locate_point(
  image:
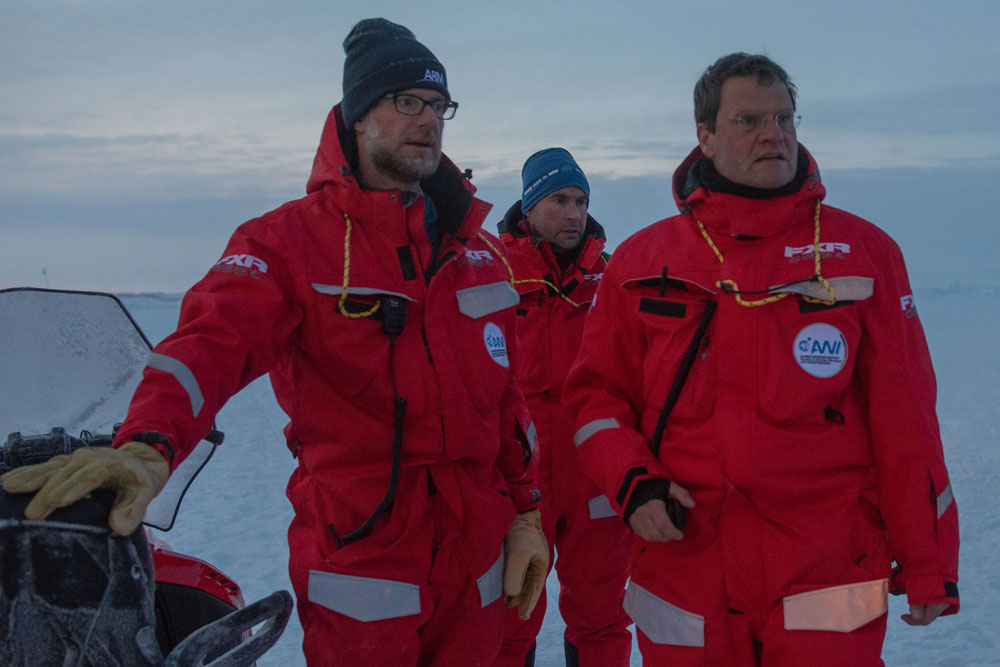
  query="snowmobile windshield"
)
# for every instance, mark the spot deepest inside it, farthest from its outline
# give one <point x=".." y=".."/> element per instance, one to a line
<point x="71" y="360"/>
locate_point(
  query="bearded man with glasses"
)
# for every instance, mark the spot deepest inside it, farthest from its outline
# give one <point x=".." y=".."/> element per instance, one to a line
<point x="755" y="395"/>
<point x="385" y="318"/>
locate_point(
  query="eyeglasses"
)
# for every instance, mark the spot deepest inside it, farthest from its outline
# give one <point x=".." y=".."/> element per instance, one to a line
<point x="413" y="105"/>
<point x="751" y="122"/>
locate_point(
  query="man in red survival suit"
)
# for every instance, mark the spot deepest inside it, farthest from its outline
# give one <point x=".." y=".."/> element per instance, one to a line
<point x="385" y="318"/>
<point x="555" y="250"/>
<point x="756" y="365"/>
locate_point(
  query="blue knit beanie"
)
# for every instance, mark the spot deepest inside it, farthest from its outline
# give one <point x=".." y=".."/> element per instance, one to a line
<point x="384" y="57"/>
<point x="546" y="171"/>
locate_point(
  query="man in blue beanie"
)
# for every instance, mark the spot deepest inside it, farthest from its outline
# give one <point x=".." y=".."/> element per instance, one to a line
<point x="555" y="251"/>
<point x="384" y="315"/>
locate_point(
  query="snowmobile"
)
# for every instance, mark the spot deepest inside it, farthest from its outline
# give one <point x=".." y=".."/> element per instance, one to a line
<point x="72" y="592"/>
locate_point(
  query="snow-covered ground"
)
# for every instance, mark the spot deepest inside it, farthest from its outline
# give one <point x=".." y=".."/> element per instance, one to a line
<point x="236" y="514"/>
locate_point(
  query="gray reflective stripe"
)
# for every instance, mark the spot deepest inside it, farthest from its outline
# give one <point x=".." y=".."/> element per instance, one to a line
<point x="944" y="500"/>
<point x="532" y="437"/>
<point x="838" y="608"/>
<point x="182" y="374"/>
<point x="662" y="622"/>
<point x="600" y="508"/>
<point x="363" y="598"/>
<point x="491" y="583"/>
<point x="593" y="427"/>
<point x="337" y="290"/>
<point x="845" y="288"/>
<point x="485" y="299"/>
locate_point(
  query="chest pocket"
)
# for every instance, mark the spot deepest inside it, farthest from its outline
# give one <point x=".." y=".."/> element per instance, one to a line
<point x="483" y="341"/>
<point x="670" y="312"/>
<point x="533" y="336"/>
<point x="812" y="348"/>
<point x="355" y="340"/>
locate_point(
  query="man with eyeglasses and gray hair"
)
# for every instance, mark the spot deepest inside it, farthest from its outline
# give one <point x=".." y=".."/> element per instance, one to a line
<point x="385" y="318"/>
<point x="755" y="395"/>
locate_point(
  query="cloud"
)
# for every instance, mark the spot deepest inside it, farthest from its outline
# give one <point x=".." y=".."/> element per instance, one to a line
<point x="149" y="165"/>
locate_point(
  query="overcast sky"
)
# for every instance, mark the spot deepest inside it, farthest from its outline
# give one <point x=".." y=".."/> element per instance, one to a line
<point x="135" y="136"/>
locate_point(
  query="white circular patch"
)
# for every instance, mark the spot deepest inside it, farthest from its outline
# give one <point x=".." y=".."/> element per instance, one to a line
<point x="820" y="350"/>
<point x="496" y="344"/>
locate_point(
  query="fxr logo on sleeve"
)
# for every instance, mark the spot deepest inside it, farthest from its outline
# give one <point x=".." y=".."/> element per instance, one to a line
<point x="909" y="306"/>
<point x="241" y="264"/>
<point x="479" y="257"/>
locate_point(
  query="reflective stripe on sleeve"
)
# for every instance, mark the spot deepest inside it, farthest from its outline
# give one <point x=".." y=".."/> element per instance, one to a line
<point x="600" y="508"/>
<point x="182" y="374"/>
<point x="491" y="583"/>
<point x="593" y="427"/>
<point x="362" y="598"/>
<point x="662" y="622"/>
<point x="838" y="608"/>
<point x="944" y="500"/>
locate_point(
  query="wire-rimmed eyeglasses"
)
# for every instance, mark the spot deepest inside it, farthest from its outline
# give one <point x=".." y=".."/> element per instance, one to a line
<point x="413" y="105"/>
<point x="749" y="121"/>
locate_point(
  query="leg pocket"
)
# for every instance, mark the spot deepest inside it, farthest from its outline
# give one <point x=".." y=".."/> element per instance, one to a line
<point x="491" y="584"/>
<point x="837" y="608"/>
<point x="662" y="622"/>
<point x="363" y="598"/>
<point x="600" y="508"/>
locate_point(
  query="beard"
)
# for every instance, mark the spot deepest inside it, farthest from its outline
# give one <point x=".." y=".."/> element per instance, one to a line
<point x="390" y="161"/>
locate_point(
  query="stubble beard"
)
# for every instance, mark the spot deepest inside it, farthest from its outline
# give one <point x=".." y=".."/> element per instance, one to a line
<point x="391" y="162"/>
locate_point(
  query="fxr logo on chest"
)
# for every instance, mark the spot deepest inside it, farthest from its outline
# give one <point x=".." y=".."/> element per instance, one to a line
<point x="826" y="249"/>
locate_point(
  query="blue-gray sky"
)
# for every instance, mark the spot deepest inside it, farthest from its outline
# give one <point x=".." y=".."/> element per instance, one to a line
<point x="135" y="136"/>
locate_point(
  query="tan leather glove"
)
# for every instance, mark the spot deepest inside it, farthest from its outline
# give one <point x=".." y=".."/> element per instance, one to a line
<point x="136" y="471"/>
<point x="526" y="563"/>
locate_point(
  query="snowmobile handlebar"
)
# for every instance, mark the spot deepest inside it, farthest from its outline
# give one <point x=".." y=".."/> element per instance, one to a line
<point x="273" y="611"/>
<point x="23" y="450"/>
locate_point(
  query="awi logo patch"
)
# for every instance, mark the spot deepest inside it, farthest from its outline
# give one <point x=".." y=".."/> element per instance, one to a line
<point x="496" y="344"/>
<point x="820" y="349"/>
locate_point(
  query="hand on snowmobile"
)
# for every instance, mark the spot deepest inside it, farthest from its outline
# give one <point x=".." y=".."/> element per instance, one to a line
<point x="135" y="471"/>
<point x="526" y="563"/>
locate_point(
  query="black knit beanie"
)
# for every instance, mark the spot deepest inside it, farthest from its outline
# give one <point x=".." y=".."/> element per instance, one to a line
<point x="384" y="57"/>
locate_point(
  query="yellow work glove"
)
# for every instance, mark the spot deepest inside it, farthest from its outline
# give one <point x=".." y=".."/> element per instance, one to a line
<point x="136" y="472"/>
<point x="526" y="563"/>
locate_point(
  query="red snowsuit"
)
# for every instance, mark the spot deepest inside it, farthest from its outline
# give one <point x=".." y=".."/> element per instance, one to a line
<point x="806" y="433"/>
<point x="426" y="583"/>
<point x="594" y="546"/>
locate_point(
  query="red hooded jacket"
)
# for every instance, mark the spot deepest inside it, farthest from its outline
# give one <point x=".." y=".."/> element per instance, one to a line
<point x="293" y="295"/>
<point x="554" y="305"/>
<point x="806" y="431"/>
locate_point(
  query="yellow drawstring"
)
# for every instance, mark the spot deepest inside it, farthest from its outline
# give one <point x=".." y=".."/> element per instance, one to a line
<point x="734" y="288"/>
<point x="510" y="273"/>
<point x="347" y="270"/>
